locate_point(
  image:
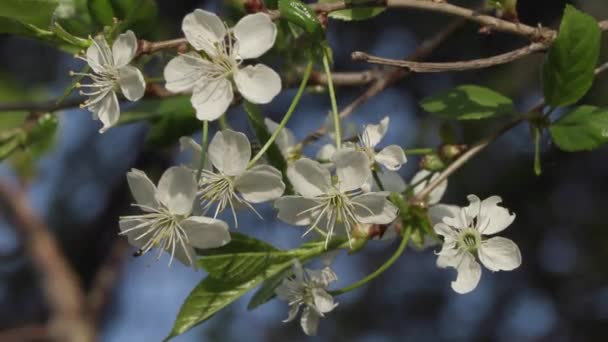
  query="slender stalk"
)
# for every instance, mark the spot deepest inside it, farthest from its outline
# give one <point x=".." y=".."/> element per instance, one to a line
<point x="381" y="269"/>
<point x="204" y="140"/>
<point x="334" y="104"/>
<point x="290" y="110"/>
<point x="377" y="179"/>
<point x="417" y="151"/>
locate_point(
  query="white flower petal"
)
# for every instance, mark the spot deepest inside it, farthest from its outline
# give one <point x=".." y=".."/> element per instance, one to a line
<point x="177" y="190"/>
<point x="132" y="235"/>
<point x="204" y="232"/>
<point x="469" y="273"/>
<point x="268" y="169"/>
<point x="124" y="48"/>
<point x="183" y="72"/>
<point x="435" y="196"/>
<point x="186" y="256"/>
<point x="132" y="83"/>
<point x="256" y="186"/>
<point x="203" y="30"/>
<point x="229" y="152"/>
<point x="392" y="157"/>
<point x="309" y="322"/>
<point x="473" y="209"/>
<point x="309" y="178"/>
<point x="99" y="55"/>
<point x="391" y="180"/>
<point x="373" y="207"/>
<point x="324" y="302"/>
<point x="326" y="152"/>
<point x="492" y="217"/>
<point x="142" y="188"/>
<point x="255" y="34"/>
<point x="188" y="144"/>
<point x="439" y="211"/>
<point x="290" y="210"/>
<point x="212" y="99"/>
<point x="499" y="254"/>
<point x="322" y="277"/>
<point x="444" y="230"/>
<point x="293" y="313"/>
<point x="352" y="168"/>
<point x="372" y="134"/>
<point x="107" y="110"/>
<point x="285" y="140"/>
<point x="258" y="84"/>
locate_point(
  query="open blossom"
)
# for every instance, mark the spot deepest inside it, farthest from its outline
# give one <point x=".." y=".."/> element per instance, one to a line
<point x="286" y="141"/>
<point x="229" y="182"/>
<point x="111" y="73"/>
<point x="392" y="156"/>
<point x="307" y="288"/>
<point x="211" y="78"/>
<point x="463" y="232"/>
<point x="322" y="204"/>
<point x="167" y="222"/>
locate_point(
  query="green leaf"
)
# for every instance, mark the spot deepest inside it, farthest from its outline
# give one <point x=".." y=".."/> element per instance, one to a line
<point x="357" y="14"/>
<point x="34" y="12"/>
<point x="213" y="294"/>
<point x="101" y="11"/>
<point x="584" y="128"/>
<point x="296" y="12"/>
<point x="468" y="102"/>
<point x="568" y="71"/>
<point x="266" y="290"/>
<point x="138" y="15"/>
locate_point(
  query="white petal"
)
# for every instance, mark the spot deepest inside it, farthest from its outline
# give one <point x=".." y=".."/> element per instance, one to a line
<point x="285" y="140"/>
<point x="373" y="207"/>
<point x="211" y="99"/>
<point x="309" y="178"/>
<point x="107" y="110"/>
<point x="99" y="55"/>
<point x="142" y="188"/>
<point x="326" y="152"/>
<point x="255" y="34"/>
<point x="132" y="83"/>
<point x="499" y="254"/>
<point x="204" y="232"/>
<point x="439" y="211"/>
<point x="391" y="180"/>
<point x="177" y="190"/>
<point x="290" y="210"/>
<point x="132" y="235"/>
<point x="309" y="322"/>
<point x="229" y="152"/>
<point x="183" y="72"/>
<point x="188" y="144"/>
<point x="258" y="84"/>
<point x="392" y="157"/>
<point x="492" y="217"/>
<point x="444" y="230"/>
<point x="352" y="168"/>
<point x="372" y="134"/>
<point x="124" y="48"/>
<point x="473" y="209"/>
<point x="186" y="256"/>
<point x="322" y="277"/>
<point x="259" y="185"/>
<point x="203" y="29"/>
<point x="435" y="196"/>
<point x="469" y="273"/>
<point x="293" y="312"/>
<point x="324" y="302"/>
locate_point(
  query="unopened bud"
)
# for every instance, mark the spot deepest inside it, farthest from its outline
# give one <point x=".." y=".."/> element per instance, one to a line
<point x="450" y="151"/>
<point x="432" y="162"/>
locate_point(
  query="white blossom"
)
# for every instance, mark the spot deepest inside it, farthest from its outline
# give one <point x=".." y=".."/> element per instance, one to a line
<point x="211" y="77"/>
<point x="421" y="179"/>
<point x="111" y="73"/>
<point x="229" y="182"/>
<point x="321" y="203"/>
<point x="167" y="222"/>
<point x="307" y="288"/>
<point x="286" y="141"/>
<point x="464" y="230"/>
<point x="391" y="157"/>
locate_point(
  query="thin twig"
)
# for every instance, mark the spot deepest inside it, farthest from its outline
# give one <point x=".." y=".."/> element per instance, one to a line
<point x="453" y="66"/>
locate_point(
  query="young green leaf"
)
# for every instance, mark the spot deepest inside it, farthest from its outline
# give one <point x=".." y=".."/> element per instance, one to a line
<point x="34" y="12"/>
<point x="295" y="11"/>
<point x="468" y="102"/>
<point x="568" y="71"/>
<point x="584" y="128"/>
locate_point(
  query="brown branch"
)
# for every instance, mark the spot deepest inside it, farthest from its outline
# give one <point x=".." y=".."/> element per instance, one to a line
<point x="480" y="146"/>
<point x="453" y="66"/>
<point x="60" y="284"/>
<point x="26" y="333"/>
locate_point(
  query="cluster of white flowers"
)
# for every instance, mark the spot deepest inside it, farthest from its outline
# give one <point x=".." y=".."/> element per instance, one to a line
<point x="345" y="191"/>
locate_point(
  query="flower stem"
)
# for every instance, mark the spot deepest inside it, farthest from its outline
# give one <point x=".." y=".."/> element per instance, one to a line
<point x="381" y="269"/>
<point x="334" y="104"/>
<point x="290" y="110"/>
<point x="204" y="140"/>
<point x="415" y="151"/>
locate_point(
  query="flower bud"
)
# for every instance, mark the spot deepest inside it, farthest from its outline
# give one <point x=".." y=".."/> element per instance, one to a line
<point x="432" y="162"/>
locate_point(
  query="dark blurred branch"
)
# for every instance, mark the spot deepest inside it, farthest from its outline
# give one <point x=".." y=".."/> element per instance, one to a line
<point x="480" y="146"/>
<point x="453" y="66"/>
<point x="26" y="333"/>
<point x="60" y="284"/>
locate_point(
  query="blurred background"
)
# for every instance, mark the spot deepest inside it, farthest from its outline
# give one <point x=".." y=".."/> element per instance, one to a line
<point x="77" y="186"/>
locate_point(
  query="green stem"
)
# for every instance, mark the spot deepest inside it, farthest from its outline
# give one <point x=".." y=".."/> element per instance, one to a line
<point x="204" y="140"/>
<point x="334" y="104"/>
<point x="415" y="151"/>
<point x="381" y="269"/>
<point x="377" y="179"/>
<point x="290" y="110"/>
